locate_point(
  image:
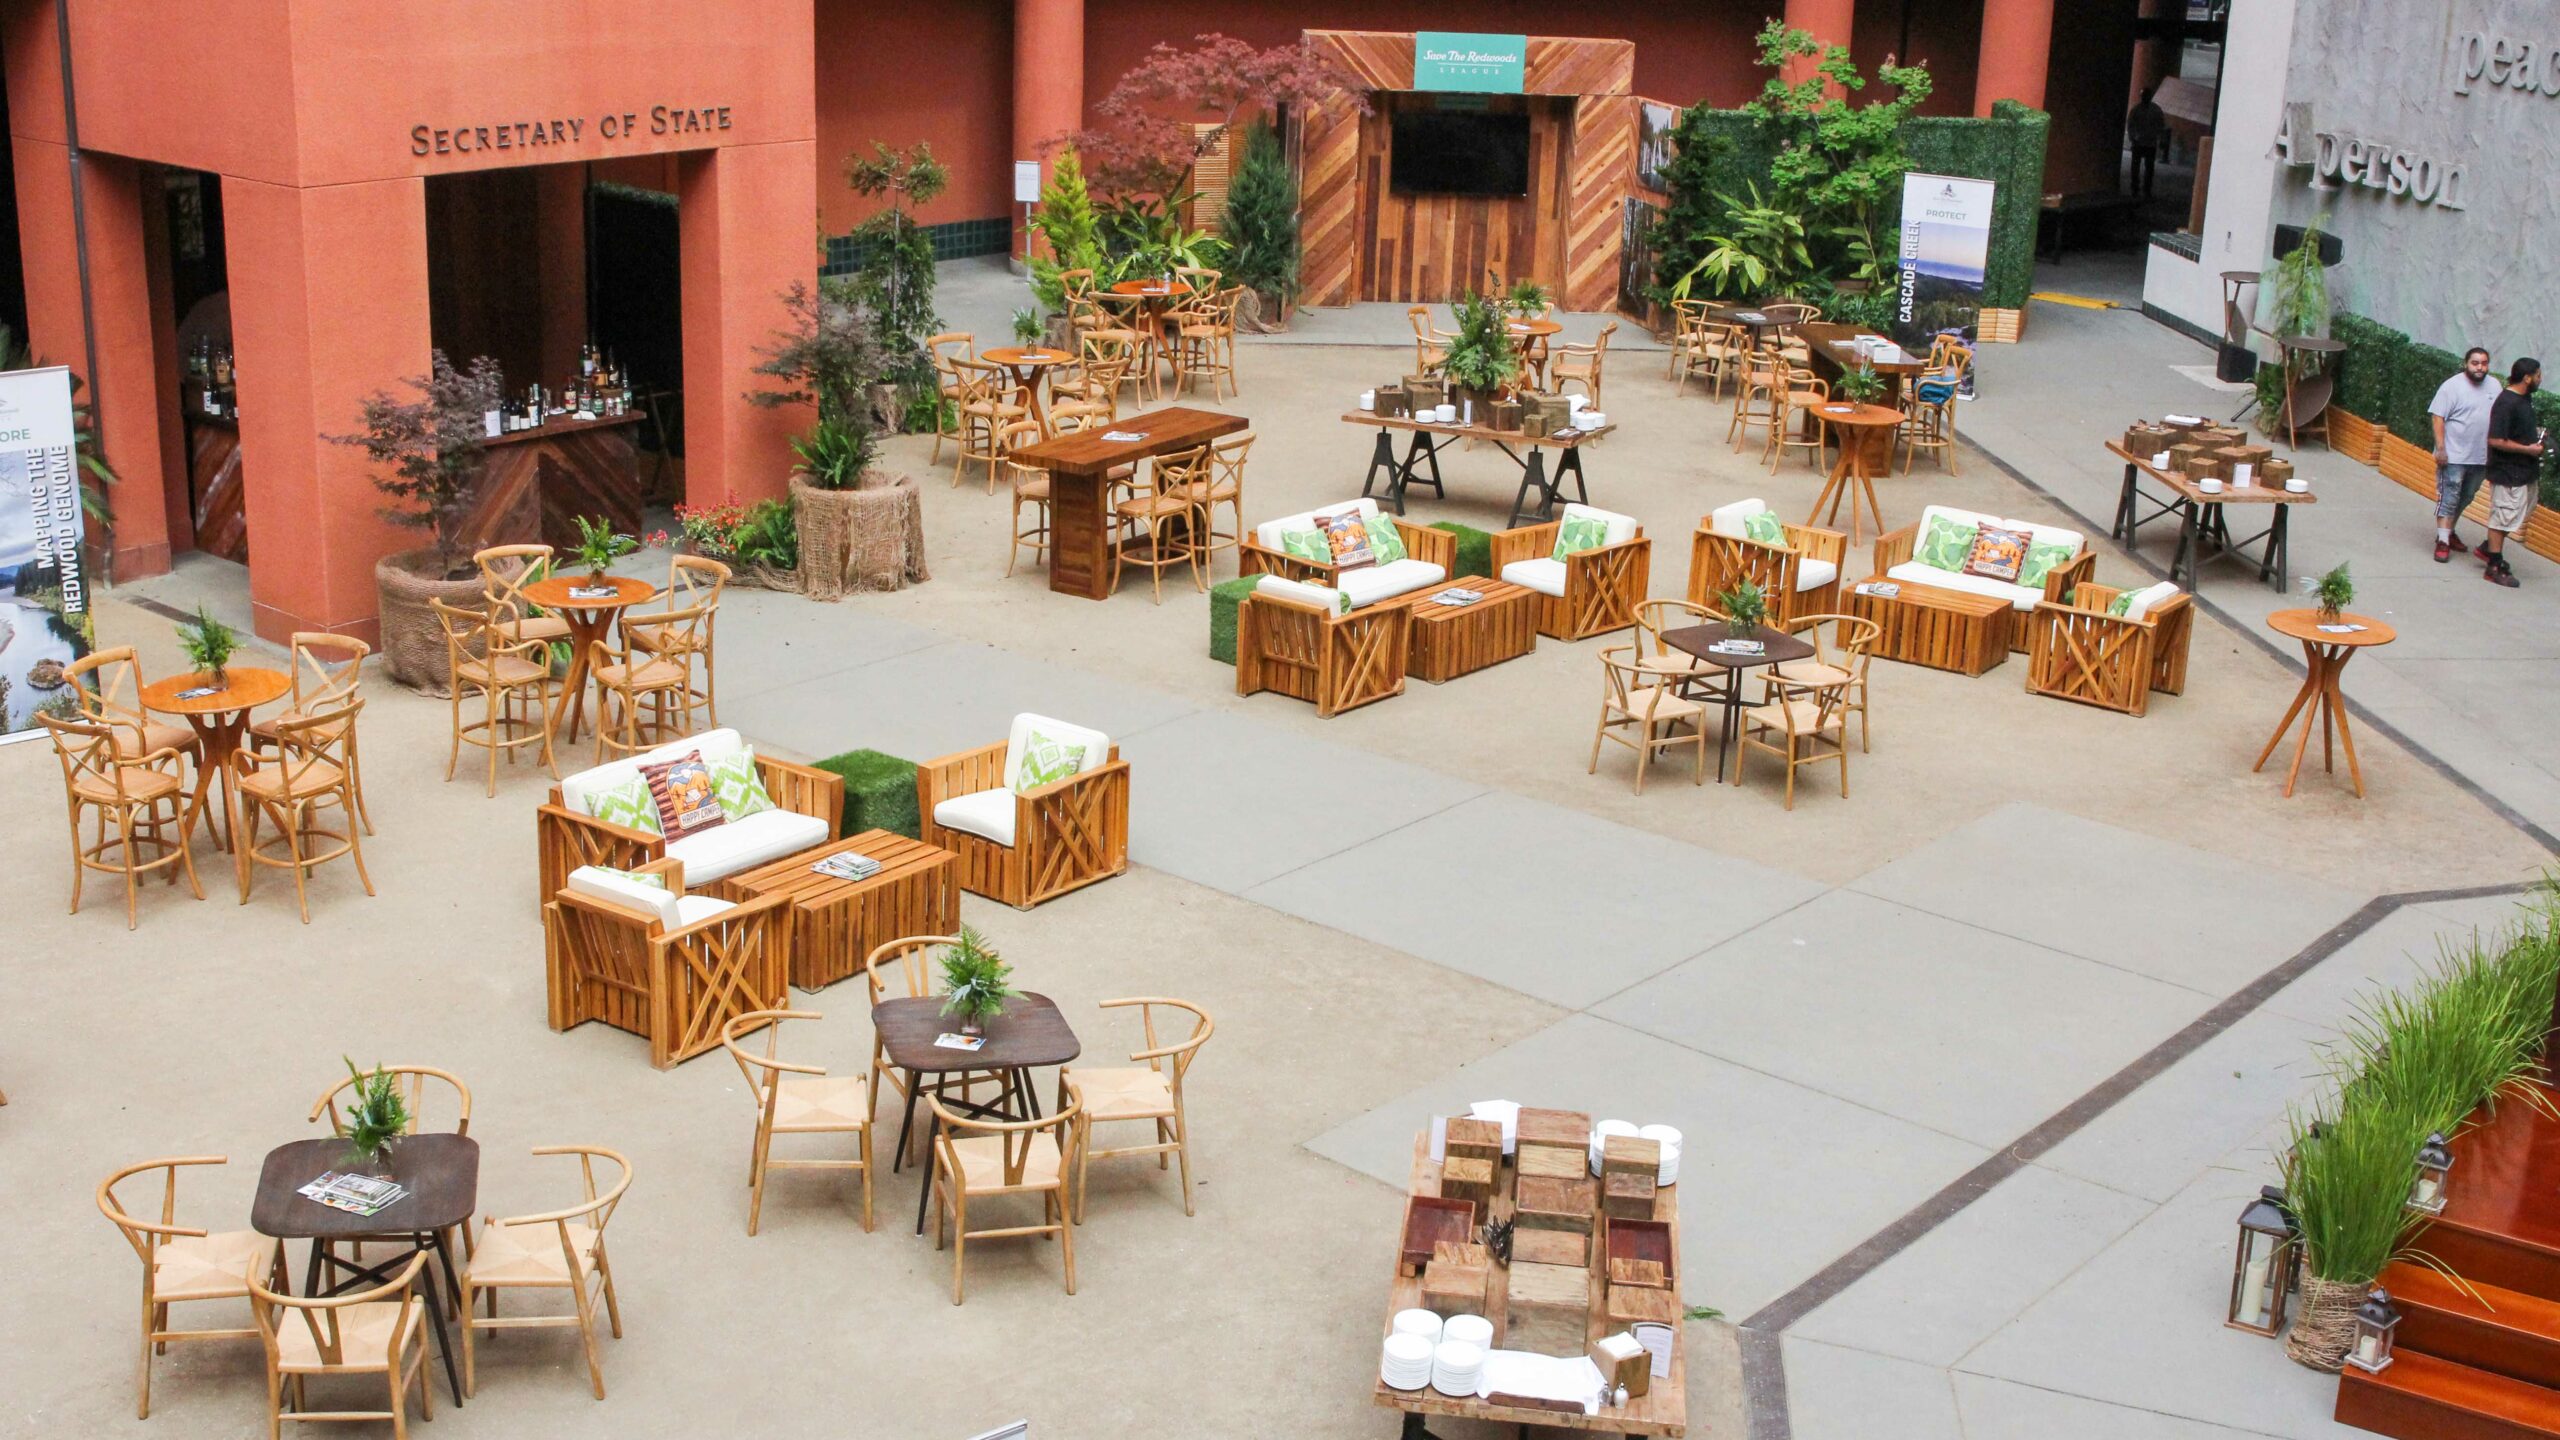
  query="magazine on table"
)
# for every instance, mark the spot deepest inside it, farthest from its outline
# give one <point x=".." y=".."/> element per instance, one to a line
<point x="1457" y="596"/>
<point x="948" y="1040"/>
<point x="1124" y="437"/>
<point x="1739" y="647"/>
<point x="1881" y="589"/>
<point x="850" y="865"/>
<point x="353" y="1193"/>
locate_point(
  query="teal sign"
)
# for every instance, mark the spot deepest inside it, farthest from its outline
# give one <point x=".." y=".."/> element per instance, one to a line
<point x="1451" y="60"/>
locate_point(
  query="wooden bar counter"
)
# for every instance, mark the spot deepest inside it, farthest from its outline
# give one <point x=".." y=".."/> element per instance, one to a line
<point x="539" y="481"/>
<point x="1080" y="466"/>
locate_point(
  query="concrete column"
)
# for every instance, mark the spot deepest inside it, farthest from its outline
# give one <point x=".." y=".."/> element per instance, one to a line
<point x="743" y="227"/>
<point x="2017" y="42"/>
<point x="328" y="304"/>
<point x="1827" y="21"/>
<point x="125" y="391"/>
<point x="1048" y="81"/>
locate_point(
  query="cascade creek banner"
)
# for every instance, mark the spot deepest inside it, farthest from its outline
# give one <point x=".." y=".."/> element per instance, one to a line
<point x="44" y="587"/>
<point x="1946" y="247"/>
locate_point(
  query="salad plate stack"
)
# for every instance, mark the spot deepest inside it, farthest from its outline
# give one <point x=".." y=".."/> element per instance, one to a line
<point x="1457" y="1368"/>
<point x="1669" y="1139"/>
<point x="1600" y="1134"/>
<point x="1404" y="1363"/>
<point x="1469" y="1330"/>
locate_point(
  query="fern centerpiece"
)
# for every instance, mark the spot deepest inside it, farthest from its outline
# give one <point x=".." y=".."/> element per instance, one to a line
<point x="599" y="546"/>
<point x="1862" y="385"/>
<point x="376" y="1119"/>
<point x="1746" y="608"/>
<point x="209" y="644"/>
<point x="976" y="981"/>
<point x="1481" y="357"/>
<point x="2332" y="593"/>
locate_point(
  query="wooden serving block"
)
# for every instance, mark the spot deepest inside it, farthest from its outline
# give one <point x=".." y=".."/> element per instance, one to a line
<point x="1466" y="1179"/>
<point x="1627" y="1196"/>
<point x="1550" y="1247"/>
<point x="1429" y="1220"/>
<point x="1637" y="1304"/>
<point x="1568" y="1129"/>
<point x="1642" y="1242"/>
<point x="1544" y="1204"/>
<point x="1550" y="1309"/>
<point x="1473" y="1139"/>
<point x="1630" y="1155"/>
<point x="1552" y="1162"/>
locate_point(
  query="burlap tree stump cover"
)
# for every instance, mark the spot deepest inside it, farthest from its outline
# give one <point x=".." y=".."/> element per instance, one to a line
<point x="412" y="636"/>
<point x="868" y="538"/>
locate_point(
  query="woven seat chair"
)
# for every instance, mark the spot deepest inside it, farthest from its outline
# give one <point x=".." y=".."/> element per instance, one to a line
<point x="1800" y="723"/>
<point x="794" y="1098"/>
<point x="1148" y="1091"/>
<point x="1220" y="482"/>
<point x="1843" y="648"/>
<point x="1430" y="342"/>
<point x="694" y="582"/>
<point x="1205" y="343"/>
<point x="310" y="771"/>
<point x="1689" y="325"/>
<point x="645" y="698"/>
<point x="1662" y="664"/>
<point x="1161" y="515"/>
<point x="509" y="682"/>
<point x="1801" y="396"/>
<point x="145" y="798"/>
<point x="1759" y="397"/>
<point x="184" y="1265"/>
<point x="1929" y="405"/>
<point x="370" y="1332"/>
<point x="985" y="411"/>
<point x="560" y="1249"/>
<point x="944" y="348"/>
<point x="1582" y="363"/>
<point x="1030" y="487"/>
<point x="106" y="685"/>
<point x="504" y="572"/>
<point x="327" y="667"/>
<point x="980" y="1160"/>
<point x="1649" y="705"/>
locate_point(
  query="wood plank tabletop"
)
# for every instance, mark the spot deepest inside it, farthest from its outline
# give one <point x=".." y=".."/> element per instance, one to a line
<point x="2227" y="495"/>
<point x="1161" y="432"/>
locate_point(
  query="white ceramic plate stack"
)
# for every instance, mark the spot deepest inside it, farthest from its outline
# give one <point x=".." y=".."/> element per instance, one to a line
<point x="1600" y="1134"/>
<point x="1457" y="1368"/>
<point x="1669" y="1139"/>
<point x="1504" y="1112"/>
<point x="1468" y="1330"/>
<point x="1405" y="1362"/>
<point x="1425" y="1323"/>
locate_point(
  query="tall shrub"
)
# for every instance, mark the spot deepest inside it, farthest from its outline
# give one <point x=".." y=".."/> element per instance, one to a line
<point x="432" y="450"/>
<point x="1694" y="210"/>
<point x="1839" y="163"/>
<point x="1261" y="222"/>
<point x="895" y="284"/>
<point x="1067" y="218"/>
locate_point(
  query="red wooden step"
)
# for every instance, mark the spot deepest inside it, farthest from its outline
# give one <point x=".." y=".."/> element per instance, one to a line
<point x="2501" y="1220"/>
<point x="2486" y="1328"/>
<point x="2420" y="1397"/>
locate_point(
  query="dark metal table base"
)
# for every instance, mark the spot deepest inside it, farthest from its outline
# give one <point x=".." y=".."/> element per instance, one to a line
<point x="1425" y="447"/>
<point x="2202" y="523"/>
<point x="367" y="1273"/>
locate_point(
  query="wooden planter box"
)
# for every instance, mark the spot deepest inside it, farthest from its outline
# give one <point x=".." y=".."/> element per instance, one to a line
<point x="2411" y="465"/>
<point x="2355" y="437"/>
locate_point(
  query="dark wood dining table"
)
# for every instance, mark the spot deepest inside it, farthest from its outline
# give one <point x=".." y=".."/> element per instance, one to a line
<point x="1834" y="356"/>
<point x="442" y="1173"/>
<point x="1777" y="648"/>
<point x="1080" y="465"/>
<point x="1030" y="1033"/>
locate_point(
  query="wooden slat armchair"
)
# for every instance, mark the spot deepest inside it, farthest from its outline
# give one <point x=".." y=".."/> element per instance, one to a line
<point x="678" y="987"/>
<point x="1718" y="562"/>
<point x="1601" y="587"/>
<point x="1421" y="542"/>
<point x="1895" y="547"/>
<point x="1308" y="650"/>
<point x="2077" y="651"/>
<point x="1066" y="835"/>
<point x="568" y="839"/>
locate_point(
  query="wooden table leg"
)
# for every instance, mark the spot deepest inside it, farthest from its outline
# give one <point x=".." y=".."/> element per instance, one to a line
<point x="2346" y="736"/>
<point x="218" y="738"/>
<point x="1831" y="488"/>
<point x="2302" y="697"/>
<point x="569" y="707"/>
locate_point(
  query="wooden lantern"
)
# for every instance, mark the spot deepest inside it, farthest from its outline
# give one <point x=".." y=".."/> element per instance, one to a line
<point x="2262" y="1266"/>
<point x="2435" y="1166"/>
<point x="2376" y="1320"/>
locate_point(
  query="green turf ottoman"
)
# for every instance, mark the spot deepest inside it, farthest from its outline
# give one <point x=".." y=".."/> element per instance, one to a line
<point x="1225" y="598"/>
<point x="1475" y="549"/>
<point x="879" y="792"/>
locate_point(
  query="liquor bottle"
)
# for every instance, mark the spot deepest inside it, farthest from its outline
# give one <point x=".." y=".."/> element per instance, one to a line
<point x="587" y="360"/>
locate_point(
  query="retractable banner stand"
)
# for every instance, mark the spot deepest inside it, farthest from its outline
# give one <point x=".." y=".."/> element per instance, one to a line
<point x="1946" y="248"/>
<point x="44" y="588"/>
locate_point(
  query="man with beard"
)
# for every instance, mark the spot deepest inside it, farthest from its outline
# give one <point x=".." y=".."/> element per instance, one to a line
<point x="2515" y="464"/>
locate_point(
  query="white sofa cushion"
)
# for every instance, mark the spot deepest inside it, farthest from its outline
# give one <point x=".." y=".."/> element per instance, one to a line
<point x="745" y="843"/>
<point x="694" y="909"/>
<point x="1372" y="583"/>
<point x="1090" y="748"/>
<point x="1322" y="597"/>
<point x="1727" y="519"/>
<point x="987" y="814"/>
<point x="2148" y="599"/>
<point x="579" y="791"/>
<point x="1267" y="534"/>
<point x="1912" y="572"/>
<point x="2073" y="540"/>
<point x="597" y="883"/>
<point x="1814" y="574"/>
<point x="1543" y="575"/>
<point x="1622" y="528"/>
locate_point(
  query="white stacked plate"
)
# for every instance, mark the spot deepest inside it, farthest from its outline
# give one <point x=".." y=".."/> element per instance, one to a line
<point x="1469" y="1330"/>
<point x="1504" y="1112"/>
<point x="1669" y="1139"/>
<point x="1600" y="1134"/>
<point x="1424" y="1323"/>
<point x="1457" y="1368"/>
<point x="1404" y="1363"/>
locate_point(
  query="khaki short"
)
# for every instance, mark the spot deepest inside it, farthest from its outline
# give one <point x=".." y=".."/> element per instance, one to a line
<point x="2508" y="507"/>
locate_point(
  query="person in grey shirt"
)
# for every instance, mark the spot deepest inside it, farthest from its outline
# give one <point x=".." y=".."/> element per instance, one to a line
<point x="2460" y="413"/>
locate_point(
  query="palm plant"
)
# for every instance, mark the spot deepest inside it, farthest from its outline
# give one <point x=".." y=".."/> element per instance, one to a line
<point x="376" y="1118"/>
<point x="209" y="644"/>
<point x="1763" y="250"/>
<point x="975" y="981"/>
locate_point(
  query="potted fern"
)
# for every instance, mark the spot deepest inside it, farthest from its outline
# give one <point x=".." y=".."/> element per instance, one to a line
<point x="2331" y="593"/>
<point x="976" y="982"/>
<point x="1862" y="385"/>
<point x="599" y="546"/>
<point x="1482" y="363"/>
<point x="375" y="1120"/>
<point x="1746" y="607"/>
<point x="209" y="644"/>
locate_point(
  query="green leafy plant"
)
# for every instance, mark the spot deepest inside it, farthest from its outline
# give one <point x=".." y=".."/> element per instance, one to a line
<point x="432" y="451"/>
<point x="599" y="544"/>
<point x="209" y="644"/>
<point x="825" y="356"/>
<point x="834" y="454"/>
<point x="1863" y="385"/>
<point x="1528" y="297"/>
<point x="926" y="411"/>
<point x="713" y="529"/>
<point x="2332" y="592"/>
<point x="1838" y="163"/>
<point x="1026" y="325"/>
<point x="1695" y="210"/>
<point x="2270" y="396"/>
<point x="894" y="285"/>
<point x="1746" y="607"/>
<point x="2301" y="289"/>
<point x="1143" y="236"/>
<point x="1865" y="309"/>
<point x="976" y="981"/>
<point x="1481" y="357"/>
<point x="375" y="1118"/>
<point x="769" y="535"/>
<point x="1067" y="219"/>
<point x="1261" y="222"/>
<point x="1764" y="250"/>
<point x="1704" y="1312"/>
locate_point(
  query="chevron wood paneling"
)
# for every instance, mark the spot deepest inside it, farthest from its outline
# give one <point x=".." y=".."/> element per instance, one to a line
<point x="1329" y="201"/>
<point x="1429" y="248"/>
<point x="1378" y="59"/>
<point x="537" y="484"/>
<point x="1602" y="159"/>
<point x="1578" y="67"/>
<point x="213" y="477"/>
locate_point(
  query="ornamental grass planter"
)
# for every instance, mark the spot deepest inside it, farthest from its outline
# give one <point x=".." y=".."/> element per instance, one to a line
<point x="412" y="635"/>
<point x="2325" y="1325"/>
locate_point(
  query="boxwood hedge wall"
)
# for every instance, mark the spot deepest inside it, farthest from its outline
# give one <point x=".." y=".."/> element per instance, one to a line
<point x="2386" y="377"/>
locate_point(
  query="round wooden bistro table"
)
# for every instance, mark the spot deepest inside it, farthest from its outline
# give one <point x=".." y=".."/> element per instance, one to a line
<point x="1154" y="296"/>
<point x="1865" y="428"/>
<point x="220" y="720"/>
<point x="2327" y="652"/>
<point x="1533" y="336"/>
<point x="1029" y="1033"/>
<point x="590" y="619"/>
<point x="1027" y="368"/>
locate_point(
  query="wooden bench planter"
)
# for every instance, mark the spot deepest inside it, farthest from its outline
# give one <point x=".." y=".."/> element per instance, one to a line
<point x="675" y="988"/>
<point x="1602" y="587"/>
<point x="1719" y="562"/>
<point x="1421" y="542"/>
<point x="2080" y="652"/>
<point x="566" y="839"/>
<point x="1335" y="661"/>
<point x="1895" y="548"/>
<point x="1065" y="836"/>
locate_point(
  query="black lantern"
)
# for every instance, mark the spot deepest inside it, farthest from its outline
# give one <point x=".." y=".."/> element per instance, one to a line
<point x="2375" y="1320"/>
<point x="2435" y="1163"/>
<point x="2262" y="1266"/>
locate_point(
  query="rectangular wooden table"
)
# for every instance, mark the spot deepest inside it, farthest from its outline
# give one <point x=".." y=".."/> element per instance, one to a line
<point x="1080" y="465"/>
<point x="1425" y="445"/>
<point x="1941" y="629"/>
<point x="1662" y="1410"/>
<point x="2200" y="517"/>
<point x="1447" y="641"/>
<point x="1834" y="356"/>
<point x="835" y="924"/>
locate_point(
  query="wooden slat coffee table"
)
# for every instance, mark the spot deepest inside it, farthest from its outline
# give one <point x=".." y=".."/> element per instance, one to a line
<point x="836" y="923"/>
<point x="1447" y="641"/>
<point x="1941" y="629"/>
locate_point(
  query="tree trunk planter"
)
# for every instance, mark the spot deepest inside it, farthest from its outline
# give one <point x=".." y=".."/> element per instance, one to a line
<point x="412" y="636"/>
<point x="868" y="538"/>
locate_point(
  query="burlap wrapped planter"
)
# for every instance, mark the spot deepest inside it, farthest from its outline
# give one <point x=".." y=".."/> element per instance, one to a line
<point x="868" y="538"/>
<point x="412" y="636"/>
<point x="2324" y="1325"/>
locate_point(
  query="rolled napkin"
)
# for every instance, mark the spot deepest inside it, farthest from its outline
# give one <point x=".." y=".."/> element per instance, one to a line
<point x="1669" y="1139"/>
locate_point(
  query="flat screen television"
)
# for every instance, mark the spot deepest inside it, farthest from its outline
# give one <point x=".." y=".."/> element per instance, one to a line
<point x="1441" y="152"/>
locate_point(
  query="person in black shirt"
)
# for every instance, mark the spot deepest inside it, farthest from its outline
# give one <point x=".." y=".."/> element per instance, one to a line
<point x="2515" y="464"/>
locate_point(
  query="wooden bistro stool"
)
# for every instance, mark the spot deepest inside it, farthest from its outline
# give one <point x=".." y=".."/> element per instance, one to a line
<point x="2326" y="651"/>
<point x="589" y="617"/>
<point x="1865" y="429"/>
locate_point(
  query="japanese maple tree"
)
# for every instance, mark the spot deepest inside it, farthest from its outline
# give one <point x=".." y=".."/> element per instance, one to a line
<point x="1144" y="141"/>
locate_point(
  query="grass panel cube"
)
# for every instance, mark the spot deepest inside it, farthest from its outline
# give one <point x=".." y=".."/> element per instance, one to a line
<point x="1475" y="549"/>
<point x="879" y="792"/>
<point x="1225" y="598"/>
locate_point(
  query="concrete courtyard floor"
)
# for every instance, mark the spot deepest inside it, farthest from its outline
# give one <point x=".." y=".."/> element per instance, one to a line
<point x="1976" y="1066"/>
